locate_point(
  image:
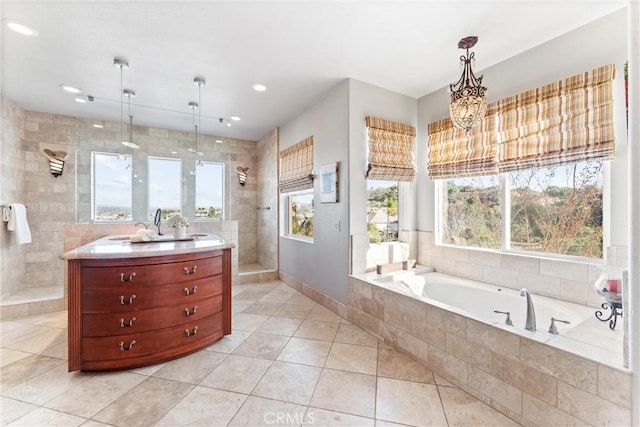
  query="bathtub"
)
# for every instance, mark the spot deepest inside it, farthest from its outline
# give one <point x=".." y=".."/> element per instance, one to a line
<point x="479" y="300"/>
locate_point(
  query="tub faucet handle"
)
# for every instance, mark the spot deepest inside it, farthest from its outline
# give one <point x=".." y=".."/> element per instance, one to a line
<point x="507" y="321"/>
<point x="552" y="328"/>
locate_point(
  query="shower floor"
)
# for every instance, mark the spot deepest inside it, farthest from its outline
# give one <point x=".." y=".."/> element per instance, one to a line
<point x="255" y="273"/>
<point x="30" y="301"/>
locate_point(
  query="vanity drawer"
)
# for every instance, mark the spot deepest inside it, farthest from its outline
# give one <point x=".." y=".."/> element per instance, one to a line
<point x="135" y="321"/>
<point x="161" y="344"/>
<point x="137" y="297"/>
<point x="150" y="274"/>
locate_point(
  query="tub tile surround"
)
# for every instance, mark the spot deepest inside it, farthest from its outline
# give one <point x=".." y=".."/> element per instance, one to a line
<point x="522" y="376"/>
<point x="565" y="280"/>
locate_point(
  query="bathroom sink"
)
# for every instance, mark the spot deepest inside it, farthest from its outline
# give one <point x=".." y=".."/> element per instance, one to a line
<point x="119" y="238"/>
<point x="198" y="235"/>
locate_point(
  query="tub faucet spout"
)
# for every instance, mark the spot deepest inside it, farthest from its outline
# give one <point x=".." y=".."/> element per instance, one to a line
<point x="530" y="324"/>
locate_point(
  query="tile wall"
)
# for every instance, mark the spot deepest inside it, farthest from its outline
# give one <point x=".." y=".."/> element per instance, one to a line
<point x="267" y="196"/>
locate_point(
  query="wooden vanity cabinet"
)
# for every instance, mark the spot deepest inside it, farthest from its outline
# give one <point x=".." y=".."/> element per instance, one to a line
<point x="132" y="312"/>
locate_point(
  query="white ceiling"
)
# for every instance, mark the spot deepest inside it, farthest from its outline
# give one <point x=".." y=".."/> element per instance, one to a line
<point x="299" y="49"/>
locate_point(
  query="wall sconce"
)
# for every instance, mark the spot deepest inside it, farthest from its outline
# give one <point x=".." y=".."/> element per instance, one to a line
<point x="242" y="175"/>
<point x="56" y="161"/>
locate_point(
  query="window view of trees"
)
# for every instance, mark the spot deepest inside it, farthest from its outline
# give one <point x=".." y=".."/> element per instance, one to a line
<point x="472" y="212"/>
<point x="382" y="211"/>
<point x="301" y="214"/>
<point x="553" y="210"/>
<point x="558" y="210"/>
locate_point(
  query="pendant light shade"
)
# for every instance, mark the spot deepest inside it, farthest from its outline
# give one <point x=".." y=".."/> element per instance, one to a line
<point x="468" y="104"/>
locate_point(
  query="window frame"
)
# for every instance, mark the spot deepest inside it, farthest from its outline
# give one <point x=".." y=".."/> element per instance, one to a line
<point x="505" y="238"/>
<point x="286" y="219"/>
<point x="224" y="193"/>
<point x="93" y="187"/>
<point x="149" y="214"/>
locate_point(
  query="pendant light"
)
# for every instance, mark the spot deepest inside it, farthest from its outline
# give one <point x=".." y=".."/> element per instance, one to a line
<point x="123" y="65"/>
<point x="129" y="93"/>
<point x="468" y="104"/>
<point x="194" y="107"/>
<point x="198" y="81"/>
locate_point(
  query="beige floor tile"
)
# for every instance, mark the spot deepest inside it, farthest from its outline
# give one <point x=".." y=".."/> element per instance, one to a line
<point x="11" y="410"/>
<point x="317" y="330"/>
<point x="322" y="417"/>
<point x="354" y="358"/>
<point x="58" y="349"/>
<point x="265" y="308"/>
<point x="237" y="373"/>
<point x="95" y="394"/>
<point x="192" y="368"/>
<point x="57" y="319"/>
<point x="204" y="407"/>
<point x="257" y="411"/>
<point x="351" y="334"/>
<point x="382" y="423"/>
<point x="407" y="402"/>
<point x="247" y="322"/>
<point x="47" y="417"/>
<point x="266" y="346"/>
<point x="462" y="409"/>
<point x="307" y="352"/>
<point x="147" y="370"/>
<point x="279" y="295"/>
<point x="228" y="343"/>
<point x="32" y="338"/>
<point x="145" y="404"/>
<point x="44" y="387"/>
<point x="393" y="364"/>
<point x="301" y="299"/>
<point x="239" y="306"/>
<point x="323" y="314"/>
<point x="289" y="382"/>
<point x="442" y="382"/>
<point x="293" y="311"/>
<point x="346" y="392"/>
<point x="254" y="292"/>
<point x="280" y="326"/>
<point x="92" y="423"/>
<point x="8" y="356"/>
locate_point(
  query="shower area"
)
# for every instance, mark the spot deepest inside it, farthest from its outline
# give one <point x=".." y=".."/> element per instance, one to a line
<point x="32" y="276"/>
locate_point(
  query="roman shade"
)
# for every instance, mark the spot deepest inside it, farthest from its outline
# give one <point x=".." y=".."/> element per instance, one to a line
<point x="454" y="152"/>
<point x="391" y="150"/>
<point x="296" y="166"/>
<point x="567" y="121"/>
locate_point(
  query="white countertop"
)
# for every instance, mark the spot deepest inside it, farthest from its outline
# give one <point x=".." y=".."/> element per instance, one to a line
<point x="121" y="247"/>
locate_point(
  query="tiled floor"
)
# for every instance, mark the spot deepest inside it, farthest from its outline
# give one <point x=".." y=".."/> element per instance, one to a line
<point x="288" y="362"/>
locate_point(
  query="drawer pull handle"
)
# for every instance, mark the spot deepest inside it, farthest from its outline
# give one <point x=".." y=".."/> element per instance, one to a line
<point x="188" y="292"/>
<point x="193" y="270"/>
<point x="123" y="348"/>
<point x="127" y="325"/>
<point x="191" y="333"/>
<point x="131" y="276"/>
<point x="189" y="313"/>
<point x="131" y="298"/>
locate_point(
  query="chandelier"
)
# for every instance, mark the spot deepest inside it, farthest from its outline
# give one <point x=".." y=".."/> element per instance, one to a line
<point x="468" y="97"/>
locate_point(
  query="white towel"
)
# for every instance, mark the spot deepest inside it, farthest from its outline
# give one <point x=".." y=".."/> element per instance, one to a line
<point x="142" y="235"/>
<point x="18" y="223"/>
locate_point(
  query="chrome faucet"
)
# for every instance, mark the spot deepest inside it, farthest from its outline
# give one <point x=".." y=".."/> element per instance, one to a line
<point x="146" y="226"/>
<point x="530" y="324"/>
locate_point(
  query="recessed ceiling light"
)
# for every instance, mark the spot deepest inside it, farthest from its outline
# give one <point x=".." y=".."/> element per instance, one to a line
<point x="80" y="100"/>
<point x="97" y="126"/>
<point x="174" y="152"/>
<point x="228" y="124"/>
<point x="70" y="89"/>
<point x="24" y="29"/>
<point x="236" y="118"/>
<point x="219" y="141"/>
<point x="259" y="87"/>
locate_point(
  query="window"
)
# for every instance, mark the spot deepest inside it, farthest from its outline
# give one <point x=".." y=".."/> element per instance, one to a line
<point x="555" y="210"/>
<point x="471" y="212"/>
<point x="382" y="211"/>
<point x="111" y="195"/>
<point x="300" y="207"/>
<point x="558" y="210"/>
<point x="165" y="182"/>
<point x="210" y="190"/>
